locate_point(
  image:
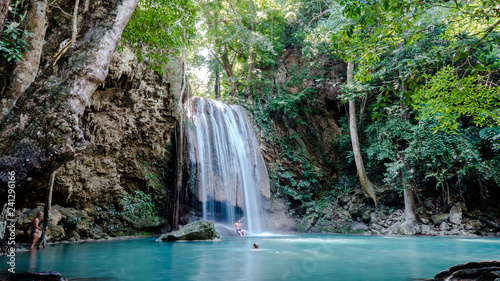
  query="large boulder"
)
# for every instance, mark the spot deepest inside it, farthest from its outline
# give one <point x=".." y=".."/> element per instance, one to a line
<point x="455" y="216"/>
<point x="358" y="226"/>
<point x="474" y="225"/>
<point x="197" y="230"/>
<point x="439" y="218"/>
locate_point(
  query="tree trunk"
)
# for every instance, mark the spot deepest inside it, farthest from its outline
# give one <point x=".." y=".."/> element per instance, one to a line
<point x="217" y="82"/>
<point x="250" y="52"/>
<point x="179" y="143"/>
<point x="25" y="71"/>
<point x="410" y="225"/>
<point x="46" y="212"/>
<point x="409" y="196"/>
<point x="43" y="131"/>
<point x="366" y="184"/>
<point x="228" y="68"/>
<point x="75" y="23"/>
<point x="4" y="11"/>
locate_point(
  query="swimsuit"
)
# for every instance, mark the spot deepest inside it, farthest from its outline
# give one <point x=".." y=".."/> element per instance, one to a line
<point x="238" y="230"/>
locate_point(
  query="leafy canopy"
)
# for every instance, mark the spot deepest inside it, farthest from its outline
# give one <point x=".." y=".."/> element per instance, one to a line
<point x="159" y="28"/>
<point x="445" y="97"/>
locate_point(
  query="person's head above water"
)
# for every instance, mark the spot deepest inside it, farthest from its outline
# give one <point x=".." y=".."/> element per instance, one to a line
<point x="255" y="245"/>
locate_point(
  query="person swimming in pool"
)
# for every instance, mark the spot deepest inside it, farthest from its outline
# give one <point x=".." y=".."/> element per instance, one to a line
<point x="237" y="229"/>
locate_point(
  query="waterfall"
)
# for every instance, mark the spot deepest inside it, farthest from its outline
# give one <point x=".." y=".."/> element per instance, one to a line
<point x="227" y="170"/>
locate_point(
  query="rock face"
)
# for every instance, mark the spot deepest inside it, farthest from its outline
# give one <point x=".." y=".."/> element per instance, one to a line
<point x="278" y="219"/>
<point x="197" y="230"/>
<point x="64" y="223"/>
<point x="43" y="130"/>
<point x="129" y="125"/>
<point x="349" y="215"/>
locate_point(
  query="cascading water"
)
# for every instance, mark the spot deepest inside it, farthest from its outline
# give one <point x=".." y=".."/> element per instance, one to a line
<point x="227" y="168"/>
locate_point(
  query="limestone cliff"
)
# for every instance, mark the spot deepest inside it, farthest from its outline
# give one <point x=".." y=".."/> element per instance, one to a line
<point x="118" y="184"/>
<point x="296" y="147"/>
<point x="129" y="126"/>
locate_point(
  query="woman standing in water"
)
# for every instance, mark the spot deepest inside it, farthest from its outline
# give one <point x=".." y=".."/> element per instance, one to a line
<point x="36" y="229"/>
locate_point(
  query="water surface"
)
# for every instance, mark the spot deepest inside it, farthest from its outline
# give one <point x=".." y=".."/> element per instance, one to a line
<point x="294" y="257"/>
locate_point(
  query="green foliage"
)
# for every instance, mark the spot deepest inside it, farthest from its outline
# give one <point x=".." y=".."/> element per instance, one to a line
<point x="229" y="32"/>
<point x="140" y="209"/>
<point x="304" y="187"/>
<point x="492" y="135"/>
<point x="409" y="154"/>
<point x="159" y="28"/>
<point x="12" y="41"/>
<point x="292" y="104"/>
<point x="446" y="157"/>
<point x="344" y="185"/>
<point x="387" y="141"/>
<point x="437" y="60"/>
<point x="445" y="97"/>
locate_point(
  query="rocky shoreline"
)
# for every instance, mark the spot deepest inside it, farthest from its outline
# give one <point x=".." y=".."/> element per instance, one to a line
<point x="389" y="222"/>
<point x="349" y="215"/>
<point x="383" y="222"/>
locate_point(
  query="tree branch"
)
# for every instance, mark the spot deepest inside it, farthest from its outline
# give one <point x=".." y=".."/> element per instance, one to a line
<point x="318" y="16"/>
<point x="75" y="23"/>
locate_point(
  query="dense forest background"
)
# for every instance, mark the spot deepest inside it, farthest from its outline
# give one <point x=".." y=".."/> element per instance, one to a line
<point x="423" y="94"/>
<point x="396" y="103"/>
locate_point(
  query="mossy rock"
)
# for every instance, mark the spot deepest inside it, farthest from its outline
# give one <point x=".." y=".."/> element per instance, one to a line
<point x="197" y="230"/>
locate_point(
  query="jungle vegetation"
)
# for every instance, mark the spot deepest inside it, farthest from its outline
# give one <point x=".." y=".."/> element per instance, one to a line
<point x="420" y="96"/>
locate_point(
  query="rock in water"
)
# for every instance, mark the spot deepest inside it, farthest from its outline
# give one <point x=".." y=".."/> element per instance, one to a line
<point x="197" y="230"/>
<point x="37" y="276"/>
<point x="484" y="271"/>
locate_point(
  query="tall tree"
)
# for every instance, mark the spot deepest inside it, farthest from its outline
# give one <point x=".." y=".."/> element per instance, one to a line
<point x="366" y="184"/>
<point x="409" y="226"/>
